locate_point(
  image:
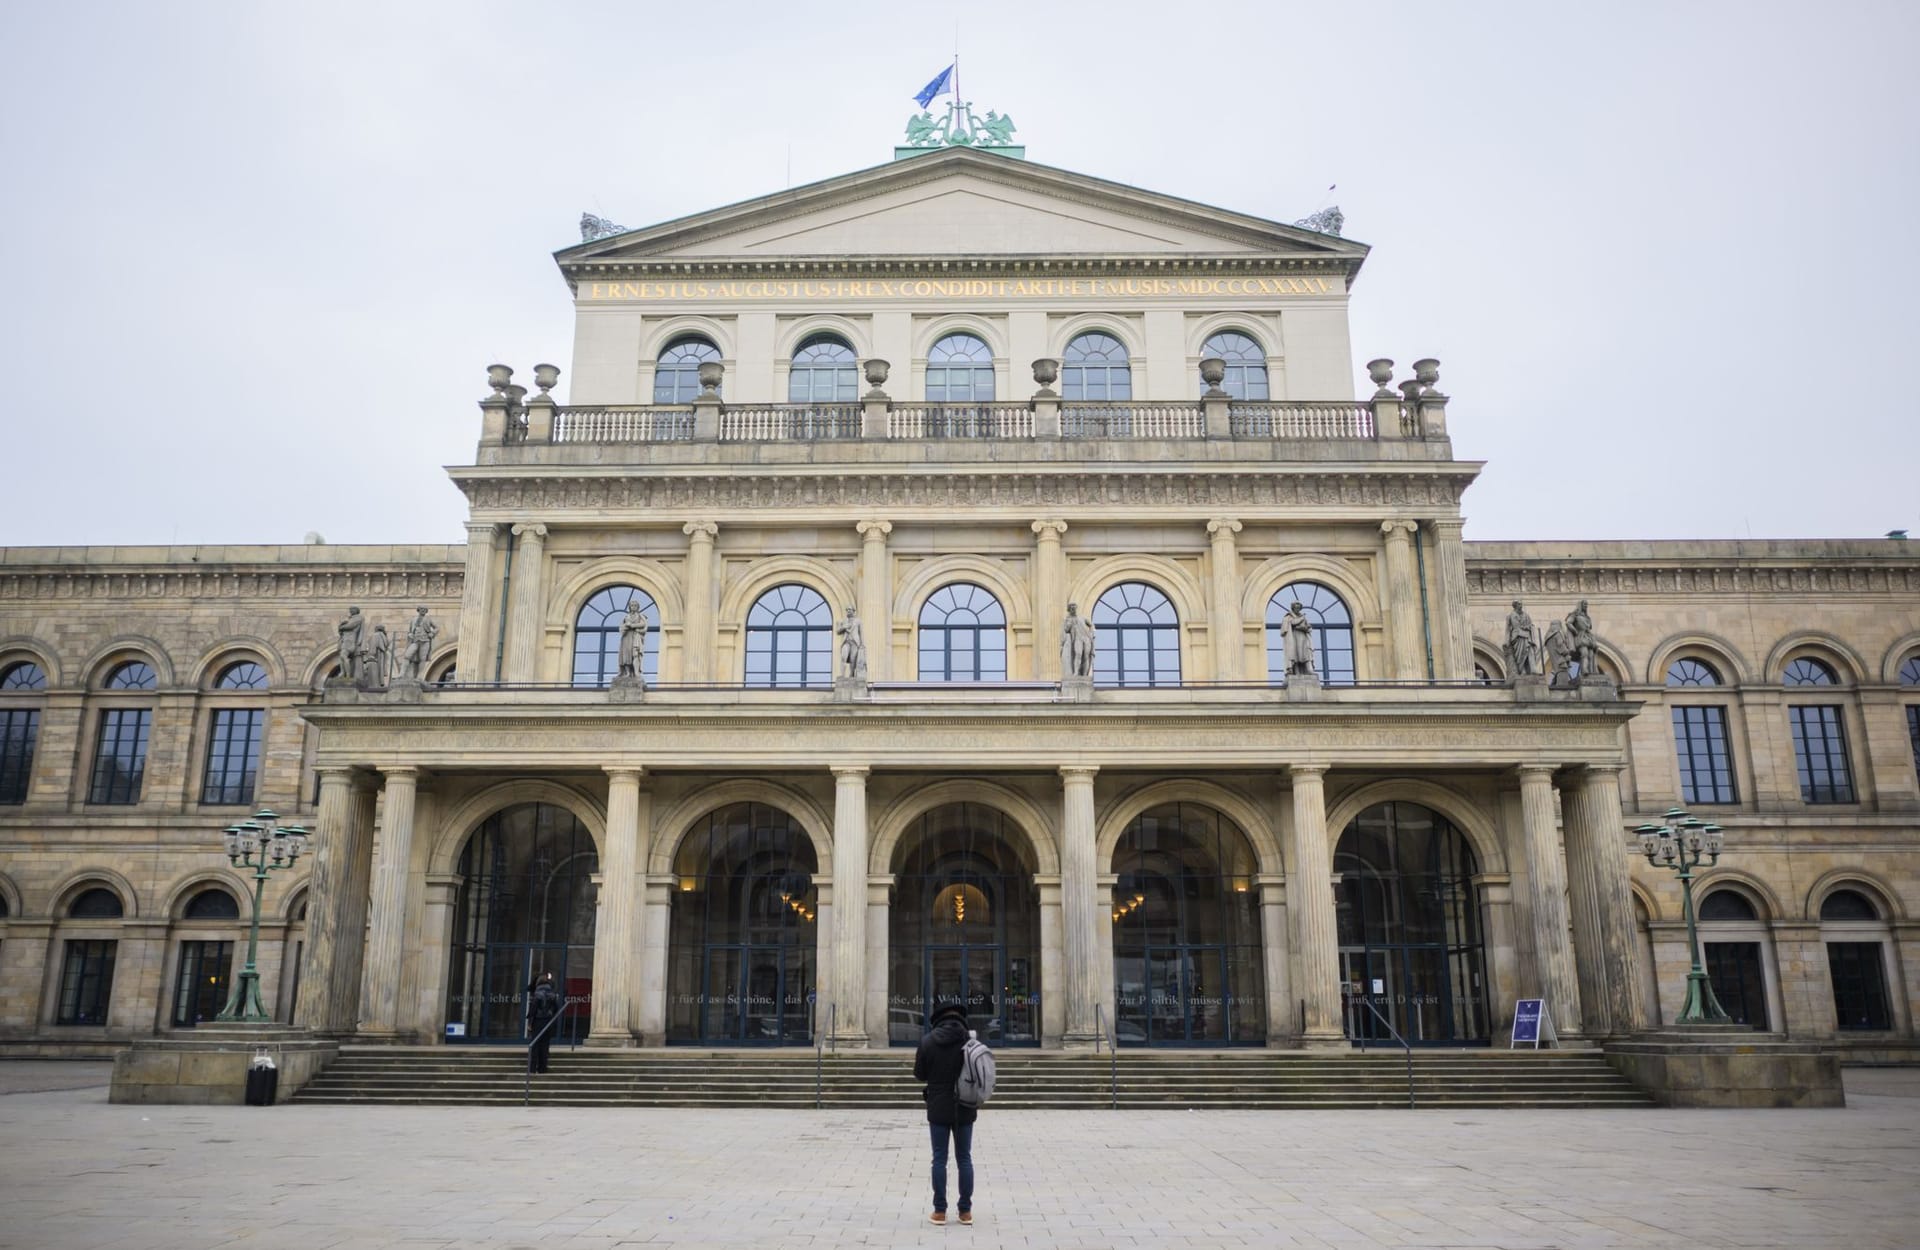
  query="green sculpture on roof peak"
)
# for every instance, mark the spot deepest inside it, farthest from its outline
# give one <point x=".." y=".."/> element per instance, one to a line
<point x="960" y="128"/>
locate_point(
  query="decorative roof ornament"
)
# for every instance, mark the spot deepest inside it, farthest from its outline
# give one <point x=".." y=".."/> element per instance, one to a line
<point x="1326" y="221"/>
<point x="592" y="228"/>
<point x="960" y="128"/>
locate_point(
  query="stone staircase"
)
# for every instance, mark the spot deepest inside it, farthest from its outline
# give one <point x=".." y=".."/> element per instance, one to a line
<point x="1169" y="1080"/>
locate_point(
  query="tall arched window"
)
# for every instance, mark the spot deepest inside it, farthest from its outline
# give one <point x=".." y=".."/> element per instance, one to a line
<point x="202" y="973"/>
<point x="790" y="638"/>
<point x="960" y="371"/>
<point x="1332" y="632"/>
<point x="1857" y="941"/>
<point x="963" y="635"/>
<point x="1246" y="364"/>
<point x="824" y="372"/>
<point x="1819" y="736"/>
<point x="1700" y="736"/>
<point x="676" y="377"/>
<point x="1910" y="676"/>
<point x="19" y="727"/>
<point x="596" y="636"/>
<point x="86" y="972"/>
<point x="1733" y="943"/>
<point x="233" y="739"/>
<point x="120" y="746"/>
<point x="1139" y="638"/>
<point x="1095" y="367"/>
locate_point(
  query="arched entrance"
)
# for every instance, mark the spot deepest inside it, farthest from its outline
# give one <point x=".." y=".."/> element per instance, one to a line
<point x="524" y="906"/>
<point x="1410" y="931"/>
<point x="1186" y="931"/>
<point x="964" y="923"/>
<point x="741" y="941"/>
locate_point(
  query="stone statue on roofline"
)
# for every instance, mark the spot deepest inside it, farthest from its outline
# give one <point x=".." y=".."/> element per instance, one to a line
<point x="1522" y="645"/>
<point x="421" y="632"/>
<point x="1559" y="649"/>
<point x="633" y="643"/>
<point x="853" y="647"/>
<point x="1583" y="643"/>
<point x="350" y="630"/>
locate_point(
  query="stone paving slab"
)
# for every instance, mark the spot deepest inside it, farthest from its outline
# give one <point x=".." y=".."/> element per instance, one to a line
<point x="79" y="1174"/>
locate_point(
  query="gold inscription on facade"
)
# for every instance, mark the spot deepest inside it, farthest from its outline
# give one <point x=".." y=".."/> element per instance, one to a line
<point x="957" y="288"/>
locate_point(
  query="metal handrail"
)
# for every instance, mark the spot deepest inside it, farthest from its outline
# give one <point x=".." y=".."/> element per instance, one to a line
<point x="526" y="1089"/>
<point x="1105" y="1031"/>
<point x="820" y="1041"/>
<point x="1404" y="1044"/>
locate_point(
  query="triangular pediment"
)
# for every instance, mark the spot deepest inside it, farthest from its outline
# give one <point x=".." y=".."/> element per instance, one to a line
<point x="967" y="204"/>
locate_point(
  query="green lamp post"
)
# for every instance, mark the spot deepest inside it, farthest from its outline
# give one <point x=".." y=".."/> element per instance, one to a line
<point x="264" y="845"/>
<point x="1682" y="844"/>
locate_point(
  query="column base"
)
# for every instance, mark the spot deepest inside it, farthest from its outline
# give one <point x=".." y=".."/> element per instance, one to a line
<point x="1083" y="1041"/>
<point x="1324" y="1041"/>
<point x="849" y="1041"/>
<point x="616" y="1039"/>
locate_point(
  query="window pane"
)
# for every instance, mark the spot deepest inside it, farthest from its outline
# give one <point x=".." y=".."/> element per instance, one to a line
<point x="1332" y="632"/>
<point x="1246" y="365"/>
<point x="133" y="675"/>
<point x="1820" y="751"/>
<point x="201" y="986"/>
<point x="245" y="675"/>
<point x="233" y="756"/>
<point x="1692" y="673"/>
<point x="120" y="756"/>
<point x="19" y="733"/>
<point x="86" y="983"/>
<point x="596" y="637"/>
<point x="676" y="378"/>
<point x="1700" y="740"/>
<point x="789" y="638"/>
<point x="27" y="675"/>
<point x="1858" y="972"/>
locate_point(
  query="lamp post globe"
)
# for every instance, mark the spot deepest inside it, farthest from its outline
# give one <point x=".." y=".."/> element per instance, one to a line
<point x="265" y="845"/>
<point x="1682" y="843"/>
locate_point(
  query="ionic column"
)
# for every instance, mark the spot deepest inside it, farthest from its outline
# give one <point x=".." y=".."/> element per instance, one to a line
<point x="1603" y="925"/>
<point x="380" y="989"/>
<point x="876" y="599"/>
<point x="1403" y="602"/>
<point x="1310" y="902"/>
<point x="1049" y="598"/>
<point x="1225" y="629"/>
<point x="1547" y="893"/>
<point x="333" y="939"/>
<point x="696" y="636"/>
<point x="1448" y="608"/>
<point x="1080" y="906"/>
<point x="615" y="917"/>
<point x="474" y="659"/>
<point x="1273" y="953"/>
<point x="529" y="575"/>
<point x="849" y="972"/>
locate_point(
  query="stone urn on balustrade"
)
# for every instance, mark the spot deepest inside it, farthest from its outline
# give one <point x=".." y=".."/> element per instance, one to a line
<point x="877" y="371"/>
<point x="1046" y="371"/>
<point x="499" y="377"/>
<point x="1213" y="371"/>
<point x="710" y="374"/>
<point x="1380" y="372"/>
<point x="545" y="376"/>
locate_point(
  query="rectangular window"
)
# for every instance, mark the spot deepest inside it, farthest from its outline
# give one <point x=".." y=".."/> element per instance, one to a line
<point x="120" y="755"/>
<point x="1913" y="734"/>
<point x="1859" y="985"/>
<point x="86" y="983"/>
<point x="1820" y="750"/>
<point x="200" y="994"/>
<point x="19" y="730"/>
<point x="233" y="756"/>
<point x="1735" y="972"/>
<point x="1700" y="738"/>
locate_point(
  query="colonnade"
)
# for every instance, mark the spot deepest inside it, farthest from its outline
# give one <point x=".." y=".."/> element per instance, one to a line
<point x="1579" y="913"/>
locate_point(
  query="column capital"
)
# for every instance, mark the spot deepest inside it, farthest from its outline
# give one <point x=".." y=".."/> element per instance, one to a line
<point x="530" y="529"/>
<point x="1223" y="528"/>
<point x="1050" y="529"/>
<point x="1611" y="770"/>
<point x="1079" y="772"/>
<point x="1308" y="770"/>
<point x="849" y="771"/>
<point x="874" y="531"/>
<point x="624" y="772"/>
<point x="1535" y="772"/>
<point x="1401" y="528"/>
<point x="400" y="772"/>
<point x="481" y="531"/>
<point x="699" y="530"/>
<point x="1448" y="527"/>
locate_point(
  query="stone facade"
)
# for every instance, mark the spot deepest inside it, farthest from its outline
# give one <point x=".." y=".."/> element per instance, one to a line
<point x="878" y="496"/>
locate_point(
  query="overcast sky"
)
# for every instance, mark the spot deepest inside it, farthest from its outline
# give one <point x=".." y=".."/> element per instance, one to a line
<point x="257" y="256"/>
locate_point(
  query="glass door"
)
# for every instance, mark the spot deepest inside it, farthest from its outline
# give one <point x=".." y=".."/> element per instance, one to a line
<point x="758" y="995"/>
<point x="971" y="975"/>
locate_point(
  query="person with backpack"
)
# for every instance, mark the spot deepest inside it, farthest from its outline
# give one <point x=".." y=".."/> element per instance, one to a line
<point x="958" y="1070"/>
<point x="543" y="1004"/>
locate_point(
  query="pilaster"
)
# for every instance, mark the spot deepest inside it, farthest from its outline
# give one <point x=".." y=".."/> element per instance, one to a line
<point x="1079" y="907"/>
<point x="1310" y="902"/>
<point x="528" y="598"/>
<point x="849" y="971"/>
<point x="1449" y="607"/>
<point x="473" y="660"/>
<point x="1403" y="602"/>
<point x="1049" y="598"/>
<point x="1273" y="945"/>
<point x="616" y="916"/>
<point x="1224" y="629"/>
<point x="876" y="599"/>
<point x="696" y="638"/>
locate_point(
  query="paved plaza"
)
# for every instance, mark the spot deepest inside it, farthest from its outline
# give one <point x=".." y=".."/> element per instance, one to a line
<point x="79" y="1174"/>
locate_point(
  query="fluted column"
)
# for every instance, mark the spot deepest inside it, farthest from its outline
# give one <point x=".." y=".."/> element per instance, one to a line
<point x="615" y="916"/>
<point x="332" y="853"/>
<point x="696" y="637"/>
<point x="1603" y="924"/>
<point x="876" y="598"/>
<point x="1273" y="948"/>
<point x="528" y="598"/>
<point x="1547" y="892"/>
<point x="474" y="659"/>
<point x="1049" y="598"/>
<point x="1079" y="906"/>
<point x="1447" y="568"/>
<point x="849" y="973"/>
<point x="1403" y="603"/>
<point x="655" y="914"/>
<point x="1310" y="902"/>
<point x="1224" y="629"/>
<point x="350" y="910"/>
<point x="380" y="989"/>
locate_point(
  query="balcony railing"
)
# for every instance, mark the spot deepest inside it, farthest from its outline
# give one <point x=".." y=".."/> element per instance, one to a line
<point x="623" y="425"/>
<point x="1295" y="419"/>
<point x="804" y="423"/>
<point x="1080" y="419"/>
<point x="1013" y="420"/>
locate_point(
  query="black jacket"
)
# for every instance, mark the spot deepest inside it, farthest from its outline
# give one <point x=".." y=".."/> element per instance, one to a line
<point x="543" y="1004"/>
<point x="938" y="1063"/>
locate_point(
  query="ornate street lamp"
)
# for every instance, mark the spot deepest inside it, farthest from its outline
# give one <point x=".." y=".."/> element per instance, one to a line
<point x="265" y="846"/>
<point x="1681" y="844"/>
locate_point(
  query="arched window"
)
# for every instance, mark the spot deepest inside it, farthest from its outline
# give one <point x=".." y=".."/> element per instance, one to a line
<point x="1139" y="638"/>
<point x="790" y="638"/>
<point x="1734" y="943"/>
<point x="1332" y="632"/>
<point x="596" y="636"/>
<point x="1727" y="905"/>
<point x="960" y="371"/>
<point x="824" y="372"/>
<point x="963" y="635"/>
<point x="1095" y="368"/>
<point x="213" y="903"/>
<point x="1857" y="940"/>
<point x="1246" y="364"/>
<point x="26" y="675"/>
<point x="1807" y="671"/>
<point x="1692" y="672"/>
<point x="97" y="903"/>
<point x="1909" y="671"/>
<point x="676" y="377"/>
<point x="132" y="675"/>
<point x="244" y="675"/>
<point x="1848" y="905"/>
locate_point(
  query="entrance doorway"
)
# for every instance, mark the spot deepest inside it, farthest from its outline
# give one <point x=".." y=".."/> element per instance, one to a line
<point x="525" y="906"/>
<point x="1410" y="932"/>
<point x="741" y="941"/>
<point x="964" y="924"/>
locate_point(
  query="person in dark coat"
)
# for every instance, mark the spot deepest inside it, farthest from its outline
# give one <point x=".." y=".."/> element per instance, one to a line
<point x="543" y="1004"/>
<point x="938" y="1063"/>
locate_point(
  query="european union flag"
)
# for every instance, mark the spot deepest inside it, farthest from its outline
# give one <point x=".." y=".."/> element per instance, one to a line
<point x="939" y="86"/>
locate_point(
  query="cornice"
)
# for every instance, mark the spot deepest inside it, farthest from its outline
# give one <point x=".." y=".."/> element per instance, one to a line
<point x="885" y="266"/>
<point x="1707" y="577"/>
<point x="431" y="582"/>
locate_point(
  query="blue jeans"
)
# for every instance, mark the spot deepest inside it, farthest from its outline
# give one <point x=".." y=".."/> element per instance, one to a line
<point x="962" y="1155"/>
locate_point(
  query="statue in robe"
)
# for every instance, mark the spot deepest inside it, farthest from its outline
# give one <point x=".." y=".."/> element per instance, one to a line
<point x="1076" y="644"/>
<point x="1523" y="659"/>
<point x="853" y="647"/>
<point x="421" y="632"/>
<point x="1296" y="633"/>
<point x="351" y="630"/>
<point x="633" y="641"/>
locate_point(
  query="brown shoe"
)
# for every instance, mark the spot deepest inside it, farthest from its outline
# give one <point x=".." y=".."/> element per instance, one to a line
<point x="966" y="1217"/>
<point x="938" y="1217"/>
